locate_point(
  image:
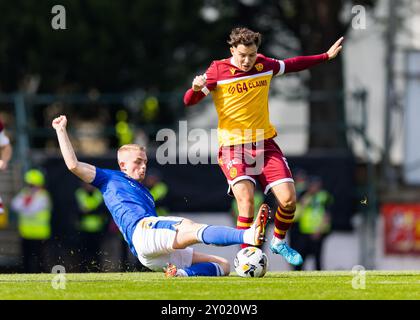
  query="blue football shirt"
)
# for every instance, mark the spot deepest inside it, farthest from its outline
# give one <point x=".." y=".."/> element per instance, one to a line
<point x="127" y="200"/>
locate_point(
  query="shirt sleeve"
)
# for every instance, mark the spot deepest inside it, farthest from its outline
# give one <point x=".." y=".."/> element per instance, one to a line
<point x="211" y="76"/>
<point x="101" y="178"/>
<point x="274" y="64"/>
<point x="192" y="97"/>
<point x="300" y="63"/>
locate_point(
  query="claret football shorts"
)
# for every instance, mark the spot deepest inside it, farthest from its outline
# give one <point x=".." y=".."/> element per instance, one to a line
<point x="153" y="239"/>
<point x="261" y="161"/>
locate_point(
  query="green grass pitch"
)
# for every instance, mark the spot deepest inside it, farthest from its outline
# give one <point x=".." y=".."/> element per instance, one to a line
<point x="321" y="285"/>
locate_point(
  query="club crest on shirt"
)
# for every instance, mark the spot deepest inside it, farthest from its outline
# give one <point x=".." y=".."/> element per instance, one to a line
<point x="259" y="67"/>
<point x="233" y="172"/>
<point x="232" y="71"/>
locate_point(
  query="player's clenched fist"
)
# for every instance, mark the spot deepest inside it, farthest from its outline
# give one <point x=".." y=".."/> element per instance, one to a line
<point x="199" y="82"/>
<point x="59" y="122"/>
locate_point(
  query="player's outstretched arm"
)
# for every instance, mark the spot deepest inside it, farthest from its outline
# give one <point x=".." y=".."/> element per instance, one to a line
<point x="84" y="171"/>
<point x="300" y="63"/>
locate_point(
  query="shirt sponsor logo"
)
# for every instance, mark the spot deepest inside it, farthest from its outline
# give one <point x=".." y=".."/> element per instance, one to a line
<point x="243" y="87"/>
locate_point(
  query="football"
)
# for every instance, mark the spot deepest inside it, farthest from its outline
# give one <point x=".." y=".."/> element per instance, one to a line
<point x="251" y="262"/>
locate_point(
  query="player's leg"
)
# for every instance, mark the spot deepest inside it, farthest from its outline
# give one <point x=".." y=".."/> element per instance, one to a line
<point x="277" y="178"/>
<point x="162" y="240"/>
<point x="190" y="232"/>
<point x="155" y="236"/>
<point x="317" y="249"/>
<point x="244" y="195"/>
<point x="286" y="198"/>
<point x="241" y="185"/>
<point x="201" y="265"/>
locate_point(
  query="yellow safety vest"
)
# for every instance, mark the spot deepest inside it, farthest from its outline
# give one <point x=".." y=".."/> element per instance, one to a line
<point x="158" y="192"/>
<point x="311" y="217"/>
<point x="90" y="222"/>
<point x="36" y="226"/>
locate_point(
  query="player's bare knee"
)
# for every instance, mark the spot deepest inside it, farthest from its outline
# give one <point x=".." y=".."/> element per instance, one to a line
<point x="187" y="226"/>
<point x="288" y="202"/>
<point x="185" y="223"/>
<point x="288" y="205"/>
<point x="245" y="200"/>
<point x="244" y="191"/>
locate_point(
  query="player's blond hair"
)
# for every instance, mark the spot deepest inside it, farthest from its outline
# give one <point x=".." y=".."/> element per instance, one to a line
<point x="127" y="148"/>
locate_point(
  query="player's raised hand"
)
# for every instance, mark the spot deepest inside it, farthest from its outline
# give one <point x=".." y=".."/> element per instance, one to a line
<point x="199" y="82"/>
<point x="335" y="49"/>
<point x="59" y="122"/>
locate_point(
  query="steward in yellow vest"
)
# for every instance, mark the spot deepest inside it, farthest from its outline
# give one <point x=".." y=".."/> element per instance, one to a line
<point x="158" y="189"/>
<point x="89" y="201"/>
<point x="91" y="225"/>
<point x="33" y="208"/>
<point x="313" y="221"/>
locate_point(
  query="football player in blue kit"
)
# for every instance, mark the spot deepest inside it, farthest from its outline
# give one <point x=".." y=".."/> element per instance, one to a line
<point x="160" y="243"/>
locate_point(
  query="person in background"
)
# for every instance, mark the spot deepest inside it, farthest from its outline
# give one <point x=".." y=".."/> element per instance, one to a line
<point x="33" y="208"/>
<point x="92" y="221"/>
<point x="5" y="155"/>
<point x="313" y="220"/>
<point x="158" y="189"/>
<point x="301" y="185"/>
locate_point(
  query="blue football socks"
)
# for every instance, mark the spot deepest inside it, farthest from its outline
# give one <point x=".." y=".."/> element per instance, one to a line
<point x="209" y="269"/>
<point x="221" y="235"/>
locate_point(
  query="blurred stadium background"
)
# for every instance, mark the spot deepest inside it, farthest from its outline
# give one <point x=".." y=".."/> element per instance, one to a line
<point x="119" y="71"/>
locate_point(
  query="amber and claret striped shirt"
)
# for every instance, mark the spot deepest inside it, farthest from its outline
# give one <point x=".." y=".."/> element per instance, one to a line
<point x="241" y="98"/>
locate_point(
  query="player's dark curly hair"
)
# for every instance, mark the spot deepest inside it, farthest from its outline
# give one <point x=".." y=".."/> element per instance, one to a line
<point x="244" y="36"/>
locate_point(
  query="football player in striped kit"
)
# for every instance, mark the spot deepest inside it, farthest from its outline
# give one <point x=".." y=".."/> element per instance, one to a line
<point x="248" y="153"/>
